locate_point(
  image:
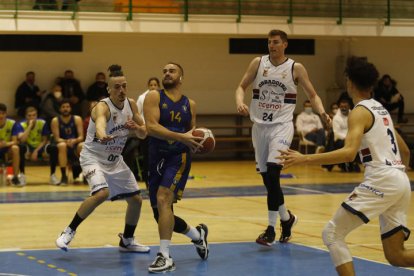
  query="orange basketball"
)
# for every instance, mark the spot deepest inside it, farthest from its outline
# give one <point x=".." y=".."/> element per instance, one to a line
<point x="208" y="141"/>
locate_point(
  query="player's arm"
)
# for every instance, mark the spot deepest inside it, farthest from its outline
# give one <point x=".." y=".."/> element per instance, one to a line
<point x="155" y="129"/>
<point x="193" y="114"/>
<point x="54" y="127"/>
<point x="404" y="150"/>
<point x="137" y="123"/>
<point x="79" y="130"/>
<point x="100" y="114"/>
<point x="247" y="79"/>
<point x="359" y="120"/>
<point x="301" y="76"/>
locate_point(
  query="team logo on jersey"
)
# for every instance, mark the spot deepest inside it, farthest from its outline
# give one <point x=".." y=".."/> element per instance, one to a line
<point x="386" y="122"/>
<point x="184" y="108"/>
<point x="265" y="72"/>
<point x="366" y="155"/>
<point x="284" y="74"/>
<point x="164" y="106"/>
<point x="115" y="116"/>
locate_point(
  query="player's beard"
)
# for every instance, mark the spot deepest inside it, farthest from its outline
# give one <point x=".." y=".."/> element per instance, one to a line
<point x="169" y="84"/>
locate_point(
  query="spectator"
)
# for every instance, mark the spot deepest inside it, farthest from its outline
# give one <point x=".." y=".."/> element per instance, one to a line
<point x="388" y="95"/>
<point x="34" y="144"/>
<point x="27" y="94"/>
<point x="334" y="109"/>
<point x="50" y="103"/>
<point x="99" y="89"/>
<point x="9" y="130"/>
<point x="67" y="130"/>
<point x="345" y="96"/>
<point x="309" y="125"/>
<point x="70" y="5"/>
<point x="340" y="130"/>
<point x="72" y="90"/>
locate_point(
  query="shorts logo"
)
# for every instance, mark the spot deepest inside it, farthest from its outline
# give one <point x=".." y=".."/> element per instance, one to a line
<point x="352" y="196"/>
<point x="386" y="122"/>
<point x="89" y="174"/>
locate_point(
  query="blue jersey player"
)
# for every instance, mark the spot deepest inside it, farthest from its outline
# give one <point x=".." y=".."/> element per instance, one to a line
<point x="170" y="119"/>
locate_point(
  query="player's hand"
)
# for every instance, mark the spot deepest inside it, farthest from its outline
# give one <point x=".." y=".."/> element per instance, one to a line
<point x="34" y="155"/>
<point x="326" y="119"/>
<point x="290" y="157"/>
<point x="243" y="109"/>
<point x="32" y="124"/>
<point x="131" y="124"/>
<point x="193" y="142"/>
<point x="106" y="138"/>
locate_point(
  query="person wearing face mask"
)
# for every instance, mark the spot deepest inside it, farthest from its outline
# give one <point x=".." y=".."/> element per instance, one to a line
<point x="50" y="104"/>
<point x="309" y="125"/>
<point x="340" y="130"/>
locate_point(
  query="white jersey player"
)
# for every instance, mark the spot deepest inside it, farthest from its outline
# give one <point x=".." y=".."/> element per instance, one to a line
<point x="274" y="78"/>
<point x="385" y="191"/>
<point x="103" y="167"/>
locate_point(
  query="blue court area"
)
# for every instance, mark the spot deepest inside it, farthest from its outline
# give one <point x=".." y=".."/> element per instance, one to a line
<point x="296" y="189"/>
<point x="225" y="259"/>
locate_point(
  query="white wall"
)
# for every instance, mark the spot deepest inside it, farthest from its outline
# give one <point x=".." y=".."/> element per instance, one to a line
<point x="211" y="74"/>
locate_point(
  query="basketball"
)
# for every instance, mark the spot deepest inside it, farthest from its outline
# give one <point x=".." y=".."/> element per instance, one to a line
<point x="208" y="141"/>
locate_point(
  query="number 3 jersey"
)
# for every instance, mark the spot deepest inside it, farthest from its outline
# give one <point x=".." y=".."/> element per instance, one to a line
<point x="274" y="92"/>
<point x="109" y="152"/>
<point x="379" y="146"/>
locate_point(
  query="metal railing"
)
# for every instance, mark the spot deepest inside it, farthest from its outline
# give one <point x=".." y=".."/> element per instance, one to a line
<point x="339" y="9"/>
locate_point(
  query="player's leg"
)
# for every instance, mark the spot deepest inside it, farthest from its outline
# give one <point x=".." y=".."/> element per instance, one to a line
<point x="62" y="150"/>
<point x="52" y="151"/>
<point x="333" y="236"/>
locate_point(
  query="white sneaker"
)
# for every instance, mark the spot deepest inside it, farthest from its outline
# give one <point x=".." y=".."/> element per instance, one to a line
<point x="22" y="179"/>
<point x="130" y="245"/>
<point x="54" y="180"/>
<point x="65" y="238"/>
<point x="162" y="264"/>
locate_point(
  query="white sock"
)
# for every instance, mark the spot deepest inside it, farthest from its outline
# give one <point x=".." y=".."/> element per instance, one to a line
<point x="284" y="215"/>
<point x="193" y="234"/>
<point x="165" y="248"/>
<point x="272" y="218"/>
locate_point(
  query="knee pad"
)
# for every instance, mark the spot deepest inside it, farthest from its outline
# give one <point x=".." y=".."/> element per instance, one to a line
<point x="329" y="235"/>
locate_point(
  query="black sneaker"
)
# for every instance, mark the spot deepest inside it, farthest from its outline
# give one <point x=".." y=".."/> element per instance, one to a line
<point x="64" y="181"/>
<point x="202" y="244"/>
<point x="287" y="227"/>
<point x="162" y="264"/>
<point x="16" y="182"/>
<point x="267" y="238"/>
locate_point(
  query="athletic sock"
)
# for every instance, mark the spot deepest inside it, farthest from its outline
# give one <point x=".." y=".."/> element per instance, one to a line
<point x="193" y="234"/>
<point x="272" y="215"/>
<point x="165" y="248"/>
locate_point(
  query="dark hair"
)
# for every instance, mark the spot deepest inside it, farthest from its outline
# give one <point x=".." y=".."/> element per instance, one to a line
<point x="280" y="33"/>
<point x="3" y="107"/>
<point x="305" y="102"/>
<point x="344" y="100"/>
<point x="64" y="101"/>
<point x="363" y="74"/>
<point x="115" y="70"/>
<point x="179" y="66"/>
<point x="153" y="79"/>
<point x="100" y="74"/>
<point x="30" y="73"/>
<point x="386" y="76"/>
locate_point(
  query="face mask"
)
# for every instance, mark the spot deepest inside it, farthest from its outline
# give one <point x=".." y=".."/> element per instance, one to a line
<point x="345" y="112"/>
<point x="335" y="110"/>
<point x="57" y="94"/>
<point x="308" y="110"/>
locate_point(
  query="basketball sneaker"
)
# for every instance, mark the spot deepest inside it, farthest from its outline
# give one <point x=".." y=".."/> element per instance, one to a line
<point x="162" y="264"/>
<point x="202" y="244"/>
<point x="64" y="181"/>
<point x="130" y="245"/>
<point x="287" y="227"/>
<point x="65" y="238"/>
<point x="22" y="178"/>
<point x="267" y="238"/>
<point x="54" y="180"/>
<point x="16" y="182"/>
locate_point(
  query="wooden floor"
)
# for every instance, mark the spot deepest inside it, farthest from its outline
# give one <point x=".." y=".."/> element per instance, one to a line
<point x="230" y="218"/>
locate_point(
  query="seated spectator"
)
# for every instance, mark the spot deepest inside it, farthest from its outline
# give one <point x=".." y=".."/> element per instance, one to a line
<point x="45" y="5"/>
<point x="309" y="126"/>
<point x="340" y="129"/>
<point x="27" y="94"/>
<point x="99" y="89"/>
<point x="9" y="130"/>
<point x="333" y="110"/>
<point x="50" y="104"/>
<point x="72" y="90"/>
<point x="67" y="130"/>
<point x="71" y="5"/>
<point x="388" y="95"/>
<point x="34" y="144"/>
<point x="345" y="96"/>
